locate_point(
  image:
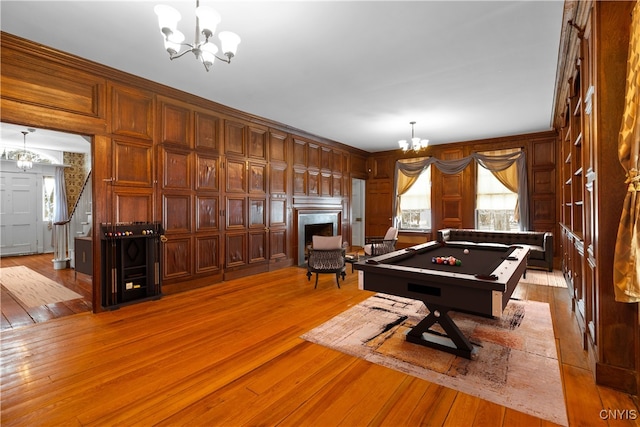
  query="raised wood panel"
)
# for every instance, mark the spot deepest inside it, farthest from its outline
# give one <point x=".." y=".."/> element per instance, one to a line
<point x="544" y="182"/>
<point x="452" y="185"/>
<point x="132" y="163"/>
<point x="236" y="249"/>
<point x="378" y="205"/>
<point x="236" y="212"/>
<point x="326" y="156"/>
<point x="207" y="208"/>
<point x="277" y="147"/>
<point x="257" y="178"/>
<point x="257" y="246"/>
<point x="50" y="85"/>
<point x="358" y="165"/>
<point x="176" y="258"/>
<point x="234" y="136"/>
<point x="313" y="156"/>
<point x="326" y="182"/>
<point x="299" y="182"/>
<point x="543" y="210"/>
<point x="236" y="176"/>
<point x="452" y="154"/>
<point x="257" y="143"/>
<point x="175" y="125"/>
<point x="277" y="213"/>
<point x="132" y="205"/>
<point x="132" y="112"/>
<point x="543" y="153"/>
<point x="207" y="132"/>
<point x="383" y="167"/>
<point x="278" y="179"/>
<point x="257" y="213"/>
<point x="176" y="170"/>
<point x="336" y="186"/>
<point x="336" y="162"/>
<point x="207" y="254"/>
<point x="299" y="153"/>
<point x="176" y="213"/>
<point x="314" y="183"/>
<point x="278" y="244"/>
<point x="451" y="210"/>
<point x="207" y="173"/>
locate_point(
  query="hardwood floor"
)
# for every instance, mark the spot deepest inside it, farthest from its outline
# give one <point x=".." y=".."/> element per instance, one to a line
<point x="230" y="354"/>
<point x="16" y="315"/>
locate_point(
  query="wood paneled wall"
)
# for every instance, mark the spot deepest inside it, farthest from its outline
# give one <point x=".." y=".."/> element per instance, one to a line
<point x="224" y="184"/>
<point x="453" y="196"/>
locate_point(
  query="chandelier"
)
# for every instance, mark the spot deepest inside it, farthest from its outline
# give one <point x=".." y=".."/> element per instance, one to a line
<point x="24" y="159"/>
<point x="415" y="144"/>
<point x="204" y="50"/>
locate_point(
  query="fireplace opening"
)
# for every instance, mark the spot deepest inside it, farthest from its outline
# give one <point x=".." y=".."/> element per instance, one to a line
<point x="324" y="223"/>
<point x="311" y="230"/>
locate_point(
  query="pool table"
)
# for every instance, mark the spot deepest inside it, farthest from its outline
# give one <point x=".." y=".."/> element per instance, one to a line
<point x="482" y="285"/>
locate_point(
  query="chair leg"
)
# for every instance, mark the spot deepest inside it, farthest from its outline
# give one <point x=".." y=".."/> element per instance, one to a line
<point x="308" y="275"/>
<point x="316" y="286"/>
<point x="338" y="279"/>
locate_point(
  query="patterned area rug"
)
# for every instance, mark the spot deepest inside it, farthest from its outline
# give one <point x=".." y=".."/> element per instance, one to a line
<point x="33" y="289"/>
<point x="516" y="367"/>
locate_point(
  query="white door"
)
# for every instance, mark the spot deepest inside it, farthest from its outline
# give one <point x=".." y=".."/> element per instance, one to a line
<point x="357" y="211"/>
<point x="18" y="213"/>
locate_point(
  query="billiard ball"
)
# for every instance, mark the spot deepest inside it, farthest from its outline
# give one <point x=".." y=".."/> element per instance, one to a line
<point x="466" y="251"/>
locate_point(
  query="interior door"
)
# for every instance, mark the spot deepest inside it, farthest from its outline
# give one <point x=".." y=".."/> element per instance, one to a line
<point x="18" y="213"/>
<point x="357" y="211"/>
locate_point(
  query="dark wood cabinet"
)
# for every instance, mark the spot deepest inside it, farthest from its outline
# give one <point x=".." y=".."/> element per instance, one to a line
<point x="83" y="255"/>
<point x="131" y="267"/>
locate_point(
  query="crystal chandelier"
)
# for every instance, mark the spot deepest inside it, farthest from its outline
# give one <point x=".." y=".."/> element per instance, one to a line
<point x="24" y="159"/>
<point x="204" y="50"/>
<point x="415" y="144"/>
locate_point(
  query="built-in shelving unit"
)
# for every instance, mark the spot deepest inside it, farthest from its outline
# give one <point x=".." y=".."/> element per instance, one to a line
<point x="591" y="87"/>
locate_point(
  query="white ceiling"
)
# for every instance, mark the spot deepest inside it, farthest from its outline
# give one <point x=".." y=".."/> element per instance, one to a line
<point x="356" y="72"/>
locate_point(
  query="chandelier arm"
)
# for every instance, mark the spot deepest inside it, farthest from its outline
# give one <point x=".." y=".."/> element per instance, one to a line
<point x="227" y="60"/>
<point x="181" y="54"/>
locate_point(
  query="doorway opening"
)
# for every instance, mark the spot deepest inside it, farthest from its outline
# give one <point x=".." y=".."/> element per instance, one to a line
<point x="33" y="200"/>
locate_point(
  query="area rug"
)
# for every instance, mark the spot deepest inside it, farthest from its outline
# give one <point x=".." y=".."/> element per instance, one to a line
<point x="32" y="289"/>
<point x="516" y="367"/>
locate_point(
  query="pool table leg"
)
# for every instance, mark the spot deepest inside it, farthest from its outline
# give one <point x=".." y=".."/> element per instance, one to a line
<point x="453" y="341"/>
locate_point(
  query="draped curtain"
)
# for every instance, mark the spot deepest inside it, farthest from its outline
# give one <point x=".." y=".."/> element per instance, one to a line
<point x="507" y="176"/>
<point x="411" y="168"/>
<point x="626" y="272"/>
<point x="60" y="216"/>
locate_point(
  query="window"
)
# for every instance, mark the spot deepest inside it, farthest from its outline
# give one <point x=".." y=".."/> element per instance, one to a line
<point x="495" y="203"/>
<point x="415" y="204"/>
<point x="48" y="183"/>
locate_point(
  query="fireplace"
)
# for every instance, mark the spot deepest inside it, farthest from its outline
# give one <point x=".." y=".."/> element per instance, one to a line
<point x="314" y="222"/>
<point x="311" y="230"/>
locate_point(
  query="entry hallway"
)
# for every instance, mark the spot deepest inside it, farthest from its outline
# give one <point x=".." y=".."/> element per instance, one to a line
<point x="231" y="354"/>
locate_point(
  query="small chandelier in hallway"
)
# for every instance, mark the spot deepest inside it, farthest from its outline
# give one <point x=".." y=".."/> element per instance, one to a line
<point x="24" y="159"/>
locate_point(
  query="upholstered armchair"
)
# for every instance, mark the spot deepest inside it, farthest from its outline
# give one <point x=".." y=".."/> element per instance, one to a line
<point x="326" y="255"/>
<point x="381" y="245"/>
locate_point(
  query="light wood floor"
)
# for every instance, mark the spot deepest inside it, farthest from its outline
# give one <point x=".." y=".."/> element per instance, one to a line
<point x="16" y="315"/>
<point x="230" y="354"/>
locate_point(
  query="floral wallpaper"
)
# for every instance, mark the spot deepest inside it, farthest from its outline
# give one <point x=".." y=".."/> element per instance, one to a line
<point x="75" y="176"/>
